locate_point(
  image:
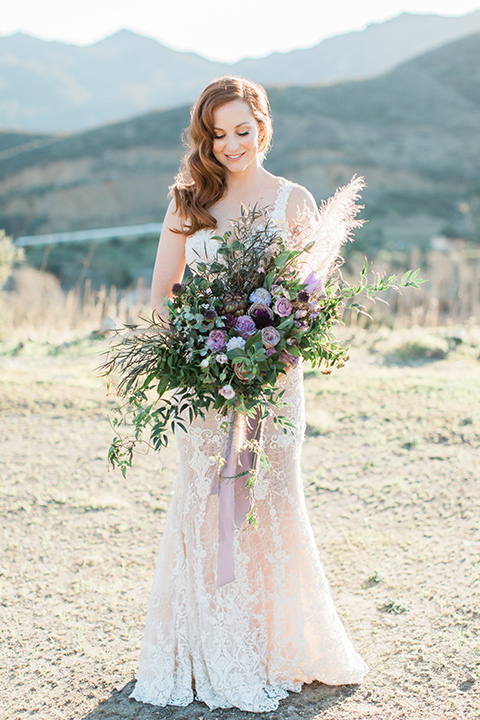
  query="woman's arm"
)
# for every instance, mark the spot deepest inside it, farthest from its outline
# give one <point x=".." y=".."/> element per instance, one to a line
<point x="170" y="260"/>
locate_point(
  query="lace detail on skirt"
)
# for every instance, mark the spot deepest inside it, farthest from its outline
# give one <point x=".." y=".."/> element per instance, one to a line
<point x="275" y="627"/>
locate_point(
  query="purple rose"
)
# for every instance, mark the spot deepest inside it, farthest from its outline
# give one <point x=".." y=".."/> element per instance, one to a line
<point x="314" y="285"/>
<point x="245" y="326"/>
<point x="269" y="351"/>
<point x="283" y="307"/>
<point x="288" y="359"/>
<point x="270" y="337"/>
<point x="216" y="340"/>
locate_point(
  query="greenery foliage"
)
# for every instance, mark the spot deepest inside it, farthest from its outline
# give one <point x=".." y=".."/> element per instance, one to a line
<point x="232" y="330"/>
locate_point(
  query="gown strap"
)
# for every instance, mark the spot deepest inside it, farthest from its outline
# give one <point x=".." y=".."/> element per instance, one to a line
<point x="279" y="211"/>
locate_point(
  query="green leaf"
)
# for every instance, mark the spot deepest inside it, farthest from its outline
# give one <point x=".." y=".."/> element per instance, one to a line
<point x="252" y="340"/>
<point x="282" y="258"/>
<point x="235" y="354"/>
<point x="268" y="282"/>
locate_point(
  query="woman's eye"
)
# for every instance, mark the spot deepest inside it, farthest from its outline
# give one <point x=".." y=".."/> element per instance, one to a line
<point x="243" y="133"/>
<point x="218" y="137"/>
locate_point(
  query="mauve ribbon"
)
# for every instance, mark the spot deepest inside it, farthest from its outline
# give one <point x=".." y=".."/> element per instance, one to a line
<point x="233" y="499"/>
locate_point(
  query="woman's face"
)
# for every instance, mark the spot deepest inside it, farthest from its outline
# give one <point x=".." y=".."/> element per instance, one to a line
<point x="236" y="135"/>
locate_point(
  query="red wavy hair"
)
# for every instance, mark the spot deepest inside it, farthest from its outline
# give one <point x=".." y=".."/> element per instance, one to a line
<point x="201" y="180"/>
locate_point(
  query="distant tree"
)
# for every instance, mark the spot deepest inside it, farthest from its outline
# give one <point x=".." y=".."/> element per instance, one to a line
<point x="9" y="255"/>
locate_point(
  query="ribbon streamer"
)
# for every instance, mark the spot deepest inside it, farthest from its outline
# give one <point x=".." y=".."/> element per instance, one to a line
<point x="234" y="501"/>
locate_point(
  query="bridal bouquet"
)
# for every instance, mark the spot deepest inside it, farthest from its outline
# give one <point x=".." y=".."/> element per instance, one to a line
<point x="269" y="299"/>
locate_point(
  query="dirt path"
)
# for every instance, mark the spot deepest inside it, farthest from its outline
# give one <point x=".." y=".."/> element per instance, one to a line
<point x="392" y="474"/>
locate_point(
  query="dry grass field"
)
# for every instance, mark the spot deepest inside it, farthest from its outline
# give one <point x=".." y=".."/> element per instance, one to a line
<point x="391" y="468"/>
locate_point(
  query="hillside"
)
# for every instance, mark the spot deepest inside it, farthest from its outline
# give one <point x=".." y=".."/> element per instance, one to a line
<point x="360" y="54"/>
<point x="413" y="133"/>
<point x="52" y="86"/>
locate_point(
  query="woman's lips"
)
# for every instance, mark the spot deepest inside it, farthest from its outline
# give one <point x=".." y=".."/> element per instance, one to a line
<point x="232" y="158"/>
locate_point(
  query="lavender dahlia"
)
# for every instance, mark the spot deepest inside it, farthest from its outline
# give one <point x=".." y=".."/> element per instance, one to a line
<point x="245" y="326"/>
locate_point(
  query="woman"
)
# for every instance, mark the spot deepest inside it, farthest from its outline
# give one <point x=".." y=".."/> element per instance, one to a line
<point x="274" y="627"/>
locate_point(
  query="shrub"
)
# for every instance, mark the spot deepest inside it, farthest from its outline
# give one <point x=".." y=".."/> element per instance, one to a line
<point x="9" y="255"/>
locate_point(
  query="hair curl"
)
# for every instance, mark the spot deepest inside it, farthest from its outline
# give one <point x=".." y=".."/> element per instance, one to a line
<point x="201" y="180"/>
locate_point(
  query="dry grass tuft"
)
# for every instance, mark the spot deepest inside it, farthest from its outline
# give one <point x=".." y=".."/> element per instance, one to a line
<point x="37" y="307"/>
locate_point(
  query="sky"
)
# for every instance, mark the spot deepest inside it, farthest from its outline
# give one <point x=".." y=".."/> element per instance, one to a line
<point x="225" y="30"/>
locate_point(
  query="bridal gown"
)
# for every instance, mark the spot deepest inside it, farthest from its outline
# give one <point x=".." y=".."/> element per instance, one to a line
<point x="275" y="626"/>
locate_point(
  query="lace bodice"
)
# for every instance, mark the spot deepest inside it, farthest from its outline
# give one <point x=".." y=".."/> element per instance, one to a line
<point x="202" y="246"/>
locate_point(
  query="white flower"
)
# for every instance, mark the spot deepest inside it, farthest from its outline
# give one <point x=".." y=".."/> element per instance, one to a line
<point x="260" y="295"/>
<point x="227" y="392"/>
<point x="236" y="342"/>
<point x="221" y="358"/>
<point x="204" y="363"/>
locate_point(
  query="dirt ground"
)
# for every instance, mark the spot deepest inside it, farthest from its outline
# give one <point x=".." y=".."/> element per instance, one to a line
<point x="391" y="467"/>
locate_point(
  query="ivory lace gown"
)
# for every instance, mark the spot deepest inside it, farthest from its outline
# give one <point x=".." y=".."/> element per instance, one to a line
<point x="275" y="626"/>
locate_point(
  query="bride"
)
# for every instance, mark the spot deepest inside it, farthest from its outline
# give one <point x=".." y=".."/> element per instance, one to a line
<point x="274" y="627"/>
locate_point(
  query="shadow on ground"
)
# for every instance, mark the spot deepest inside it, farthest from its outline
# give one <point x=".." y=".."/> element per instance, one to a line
<point x="313" y="699"/>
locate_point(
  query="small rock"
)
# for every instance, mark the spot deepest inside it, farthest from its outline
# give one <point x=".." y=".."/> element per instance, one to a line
<point x="470" y="677"/>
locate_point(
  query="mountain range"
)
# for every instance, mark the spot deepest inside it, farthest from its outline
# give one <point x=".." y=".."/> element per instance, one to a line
<point x="56" y="87"/>
<point x="412" y="132"/>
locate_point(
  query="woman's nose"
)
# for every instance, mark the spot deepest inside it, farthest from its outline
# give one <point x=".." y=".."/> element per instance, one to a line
<point x="232" y="143"/>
